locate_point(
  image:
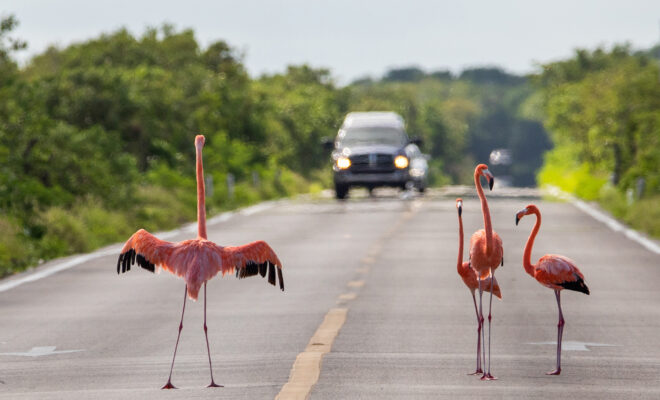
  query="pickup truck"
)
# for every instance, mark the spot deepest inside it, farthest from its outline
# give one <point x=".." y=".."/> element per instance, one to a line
<point x="372" y="149"/>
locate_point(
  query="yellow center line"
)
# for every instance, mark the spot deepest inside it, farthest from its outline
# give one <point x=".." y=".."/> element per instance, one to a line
<point x="369" y="260"/>
<point x="363" y="270"/>
<point x="307" y="367"/>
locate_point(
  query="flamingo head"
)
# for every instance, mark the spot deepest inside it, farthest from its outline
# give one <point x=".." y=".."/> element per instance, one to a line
<point x="459" y="206"/>
<point x="530" y="209"/>
<point x="482" y="169"/>
<point x="199" y="141"/>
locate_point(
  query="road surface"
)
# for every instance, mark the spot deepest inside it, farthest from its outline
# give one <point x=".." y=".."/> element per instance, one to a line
<point x="379" y="271"/>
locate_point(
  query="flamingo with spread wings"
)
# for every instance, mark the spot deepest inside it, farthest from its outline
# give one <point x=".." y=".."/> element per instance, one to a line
<point x="553" y="271"/>
<point x="198" y="260"/>
<point x="469" y="277"/>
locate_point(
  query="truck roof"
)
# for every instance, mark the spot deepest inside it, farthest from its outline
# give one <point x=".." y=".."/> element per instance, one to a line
<point x="373" y="118"/>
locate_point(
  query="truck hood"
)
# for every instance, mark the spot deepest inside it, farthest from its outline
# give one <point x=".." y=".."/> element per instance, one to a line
<point x="375" y="148"/>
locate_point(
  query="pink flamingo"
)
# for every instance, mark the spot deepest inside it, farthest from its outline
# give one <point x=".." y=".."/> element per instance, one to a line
<point x="470" y="279"/>
<point x="485" y="253"/>
<point x="198" y="260"/>
<point x="553" y="271"/>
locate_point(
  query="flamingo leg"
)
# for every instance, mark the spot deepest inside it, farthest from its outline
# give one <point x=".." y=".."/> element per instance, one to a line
<point x="487" y="376"/>
<point x="169" y="385"/>
<point x="481" y="321"/>
<point x="208" y="349"/>
<point x="560" y="332"/>
<point x="479" y="325"/>
<point x="490" y="307"/>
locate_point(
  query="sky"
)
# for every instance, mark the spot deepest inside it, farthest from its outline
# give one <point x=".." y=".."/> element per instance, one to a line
<point x="355" y="39"/>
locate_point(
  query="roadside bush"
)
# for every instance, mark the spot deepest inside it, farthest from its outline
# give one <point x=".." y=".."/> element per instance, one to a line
<point x="560" y="170"/>
<point x="16" y="250"/>
<point x="65" y="233"/>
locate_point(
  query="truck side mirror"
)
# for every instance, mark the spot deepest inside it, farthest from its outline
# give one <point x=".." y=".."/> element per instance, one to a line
<point x="328" y="144"/>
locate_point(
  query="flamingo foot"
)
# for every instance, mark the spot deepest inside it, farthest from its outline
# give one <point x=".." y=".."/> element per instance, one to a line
<point x="169" y="385"/>
<point x="213" y="384"/>
<point x="555" y="372"/>
<point x="488" y="377"/>
<point x="477" y="372"/>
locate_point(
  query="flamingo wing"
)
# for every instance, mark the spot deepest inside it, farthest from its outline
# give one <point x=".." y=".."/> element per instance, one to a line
<point x="145" y="249"/>
<point x="252" y="259"/>
<point x="559" y="272"/>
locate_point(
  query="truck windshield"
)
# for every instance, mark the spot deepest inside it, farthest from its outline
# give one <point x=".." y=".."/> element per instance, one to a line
<point x="373" y="135"/>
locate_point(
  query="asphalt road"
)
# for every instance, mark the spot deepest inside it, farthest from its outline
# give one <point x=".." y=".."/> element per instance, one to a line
<point x="389" y="263"/>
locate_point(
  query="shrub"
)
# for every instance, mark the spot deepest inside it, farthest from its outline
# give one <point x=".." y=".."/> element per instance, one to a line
<point x="16" y="250"/>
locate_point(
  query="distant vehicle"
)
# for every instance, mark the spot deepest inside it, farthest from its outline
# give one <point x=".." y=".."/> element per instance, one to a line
<point x="372" y="149"/>
<point x="501" y="163"/>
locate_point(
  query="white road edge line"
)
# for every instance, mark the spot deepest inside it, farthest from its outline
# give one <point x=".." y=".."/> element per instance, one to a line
<point x="77" y="260"/>
<point x="610" y="222"/>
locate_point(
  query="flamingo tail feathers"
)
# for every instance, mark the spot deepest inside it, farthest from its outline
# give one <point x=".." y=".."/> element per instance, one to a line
<point x="577" y="285"/>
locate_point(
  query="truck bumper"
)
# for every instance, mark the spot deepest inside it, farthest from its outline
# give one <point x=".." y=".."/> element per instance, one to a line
<point x="395" y="178"/>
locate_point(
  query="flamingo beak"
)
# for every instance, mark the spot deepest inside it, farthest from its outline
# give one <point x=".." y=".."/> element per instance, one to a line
<point x="460" y="210"/>
<point x="490" y="177"/>
<point x="520" y="214"/>
<point x="517" y="219"/>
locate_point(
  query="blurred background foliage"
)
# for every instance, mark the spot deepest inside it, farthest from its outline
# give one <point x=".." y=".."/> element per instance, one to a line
<point x="96" y="138"/>
<point x="602" y="108"/>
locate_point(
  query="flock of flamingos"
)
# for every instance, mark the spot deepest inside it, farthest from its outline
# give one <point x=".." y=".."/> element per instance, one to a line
<point x="198" y="260"/>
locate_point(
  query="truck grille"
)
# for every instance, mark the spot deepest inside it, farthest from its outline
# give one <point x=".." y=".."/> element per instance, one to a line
<point x="372" y="163"/>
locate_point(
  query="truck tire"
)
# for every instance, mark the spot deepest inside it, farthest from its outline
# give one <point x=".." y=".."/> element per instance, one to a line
<point x="341" y="191"/>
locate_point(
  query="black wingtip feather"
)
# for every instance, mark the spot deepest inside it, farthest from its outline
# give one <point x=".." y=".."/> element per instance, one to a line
<point x="578" y="286"/>
<point x="252" y="268"/>
<point x="130" y="258"/>
<point x="271" y="273"/>
<point x="144" y="263"/>
<point x="279" y="276"/>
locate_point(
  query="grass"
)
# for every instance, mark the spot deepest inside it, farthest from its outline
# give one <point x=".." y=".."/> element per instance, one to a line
<point x="640" y="214"/>
<point x="163" y="202"/>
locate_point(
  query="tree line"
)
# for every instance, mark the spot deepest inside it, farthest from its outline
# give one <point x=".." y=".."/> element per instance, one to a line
<point x="602" y="108"/>
<point x="96" y="137"/>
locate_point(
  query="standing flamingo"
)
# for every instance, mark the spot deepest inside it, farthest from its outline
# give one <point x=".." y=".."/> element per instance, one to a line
<point x="485" y="253"/>
<point x="553" y="271"/>
<point x="470" y="279"/>
<point x="198" y="260"/>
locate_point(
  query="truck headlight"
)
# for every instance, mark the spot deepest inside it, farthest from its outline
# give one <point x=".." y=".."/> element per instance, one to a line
<point x="343" y="162"/>
<point x="401" y="162"/>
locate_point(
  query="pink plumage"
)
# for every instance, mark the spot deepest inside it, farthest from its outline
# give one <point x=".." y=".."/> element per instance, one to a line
<point x="469" y="277"/>
<point x="486" y="252"/>
<point x="552" y="271"/>
<point x="198" y="260"/>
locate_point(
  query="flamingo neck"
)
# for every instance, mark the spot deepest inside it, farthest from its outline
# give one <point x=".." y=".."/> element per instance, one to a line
<point x="488" y="228"/>
<point x="201" y="200"/>
<point x="459" y="263"/>
<point x="527" y="256"/>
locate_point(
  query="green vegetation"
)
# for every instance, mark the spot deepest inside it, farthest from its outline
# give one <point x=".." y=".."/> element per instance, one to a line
<point x="96" y="138"/>
<point x="603" y="110"/>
